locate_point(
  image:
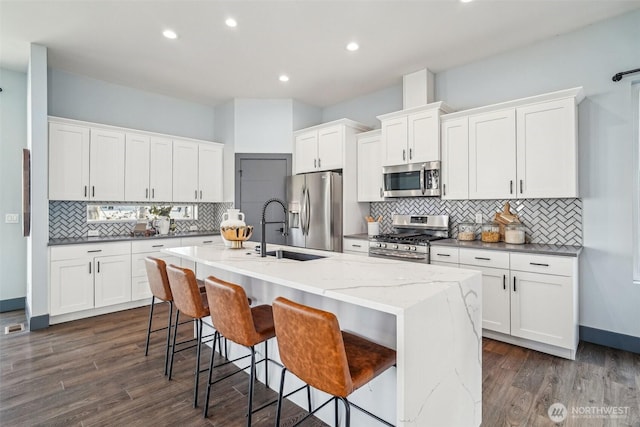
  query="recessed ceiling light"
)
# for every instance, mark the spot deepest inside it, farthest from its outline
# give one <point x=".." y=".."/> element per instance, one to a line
<point x="353" y="46"/>
<point x="466" y="1"/>
<point x="231" y="22"/>
<point x="170" y="34"/>
<point x="283" y="78"/>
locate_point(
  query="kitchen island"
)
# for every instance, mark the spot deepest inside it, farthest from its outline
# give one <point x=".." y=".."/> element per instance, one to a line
<point x="431" y="315"/>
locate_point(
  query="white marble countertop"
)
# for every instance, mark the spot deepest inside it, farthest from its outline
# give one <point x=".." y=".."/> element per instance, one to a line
<point x="531" y="248"/>
<point x="385" y="285"/>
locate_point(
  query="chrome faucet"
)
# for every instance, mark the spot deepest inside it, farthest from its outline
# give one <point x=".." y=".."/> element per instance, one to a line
<point x="264" y="222"/>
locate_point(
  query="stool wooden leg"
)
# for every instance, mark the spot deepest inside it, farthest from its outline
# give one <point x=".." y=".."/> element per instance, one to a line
<point x="252" y="379"/>
<point x="166" y="352"/>
<point x="198" y="347"/>
<point x="280" y="394"/>
<point x="146" y="347"/>
<point x="173" y="346"/>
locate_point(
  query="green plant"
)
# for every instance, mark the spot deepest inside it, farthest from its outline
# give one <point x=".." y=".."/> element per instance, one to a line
<point x="159" y="211"/>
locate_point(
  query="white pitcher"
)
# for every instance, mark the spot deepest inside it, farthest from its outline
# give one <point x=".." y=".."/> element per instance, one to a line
<point x="231" y="218"/>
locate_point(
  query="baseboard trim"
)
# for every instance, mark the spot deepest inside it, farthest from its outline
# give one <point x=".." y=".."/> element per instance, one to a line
<point x="39" y="322"/>
<point x="610" y="339"/>
<point x="12" y="304"/>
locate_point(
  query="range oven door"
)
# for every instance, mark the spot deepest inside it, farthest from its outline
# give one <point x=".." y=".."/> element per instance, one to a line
<point x="401" y="255"/>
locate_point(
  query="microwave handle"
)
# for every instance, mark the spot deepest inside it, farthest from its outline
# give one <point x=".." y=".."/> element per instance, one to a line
<point x="422" y="180"/>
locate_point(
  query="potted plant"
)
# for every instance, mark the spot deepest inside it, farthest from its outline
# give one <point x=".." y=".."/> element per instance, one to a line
<point x="162" y="217"/>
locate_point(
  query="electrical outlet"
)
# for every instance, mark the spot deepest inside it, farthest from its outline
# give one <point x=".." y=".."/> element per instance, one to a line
<point x="193" y="228"/>
<point x="12" y="218"/>
<point x="479" y="218"/>
<point x="93" y="233"/>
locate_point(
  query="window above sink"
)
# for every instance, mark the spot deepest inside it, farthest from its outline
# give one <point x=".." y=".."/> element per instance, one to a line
<point x="131" y="212"/>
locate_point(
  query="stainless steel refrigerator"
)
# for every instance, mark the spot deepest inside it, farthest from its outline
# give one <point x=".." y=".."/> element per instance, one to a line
<point x="315" y="211"/>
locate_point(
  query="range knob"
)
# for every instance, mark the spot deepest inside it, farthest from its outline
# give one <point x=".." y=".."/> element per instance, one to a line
<point x="395" y="247"/>
<point x="383" y="245"/>
<point x="413" y="248"/>
<point x="407" y="248"/>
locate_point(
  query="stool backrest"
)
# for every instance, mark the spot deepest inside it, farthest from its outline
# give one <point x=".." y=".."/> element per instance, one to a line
<point x="186" y="294"/>
<point x="230" y="311"/>
<point x="311" y="346"/>
<point x="158" y="280"/>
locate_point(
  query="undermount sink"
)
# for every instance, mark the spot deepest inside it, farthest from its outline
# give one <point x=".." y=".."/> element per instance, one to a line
<point x="298" y="256"/>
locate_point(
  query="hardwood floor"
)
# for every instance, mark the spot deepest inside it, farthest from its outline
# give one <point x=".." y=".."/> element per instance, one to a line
<point x="93" y="372"/>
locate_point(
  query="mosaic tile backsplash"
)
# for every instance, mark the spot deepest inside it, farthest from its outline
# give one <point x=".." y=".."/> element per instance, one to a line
<point x="550" y="221"/>
<point x="69" y="219"/>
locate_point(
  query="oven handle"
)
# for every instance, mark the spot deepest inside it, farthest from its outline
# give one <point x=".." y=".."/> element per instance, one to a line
<point x="402" y="258"/>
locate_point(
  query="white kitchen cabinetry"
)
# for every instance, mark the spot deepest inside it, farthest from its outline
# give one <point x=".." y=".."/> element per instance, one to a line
<point x="525" y="148"/>
<point x="68" y="162"/>
<point x="444" y="255"/>
<point x="547" y="149"/>
<point x="106" y="165"/>
<point x="370" y="154"/>
<point x="139" y="251"/>
<point x="454" y="169"/>
<point x="148" y="168"/>
<point x="322" y="147"/>
<point x="197" y="241"/>
<point x="527" y="299"/>
<point x="88" y="276"/>
<point x="412" y="135"/>
<point x="492" y="154"/>
<point x="355" y="246"/>
<point x="197" y="172"/>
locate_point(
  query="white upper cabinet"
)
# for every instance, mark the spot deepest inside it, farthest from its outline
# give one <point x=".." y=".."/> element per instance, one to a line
<point x="210" y="172"/>
<point x="370" y="166"/>
<point x="413" y="135"/>
<point x="547" y="149"/>
<point x="454" y="170"/>
<point x="136" y="169"/>
<point x="160" y="169"/>
<point x="525" y="148"/>
<point x="492" y="154"/>
<point x="185" y="171"/>
<point x="68" y="162"/>
<point x="106" y="165"/>
<point x="322" y="147"/>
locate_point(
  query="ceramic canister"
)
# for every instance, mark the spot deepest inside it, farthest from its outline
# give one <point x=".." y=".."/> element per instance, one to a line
<point x="231" y="218"/>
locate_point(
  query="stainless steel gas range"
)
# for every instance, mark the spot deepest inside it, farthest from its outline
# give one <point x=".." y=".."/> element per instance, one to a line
<point x="411" y="238"/>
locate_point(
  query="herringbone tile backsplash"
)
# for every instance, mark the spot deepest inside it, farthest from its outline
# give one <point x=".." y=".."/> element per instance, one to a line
<point x="551" y="221"/>
<point x="69" y="219"/>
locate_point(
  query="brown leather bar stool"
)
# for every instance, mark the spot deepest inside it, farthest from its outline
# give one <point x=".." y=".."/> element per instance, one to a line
<point x="313" y="348"/>
<point x="188" y="300"/>
<point x="241" y="324"/>
<point x="160" y="289"/>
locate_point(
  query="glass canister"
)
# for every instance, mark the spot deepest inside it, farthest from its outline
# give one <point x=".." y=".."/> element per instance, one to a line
<point x="491" y="232"/>
<point x="467" y="231"/>
<point x="514" y="233"/>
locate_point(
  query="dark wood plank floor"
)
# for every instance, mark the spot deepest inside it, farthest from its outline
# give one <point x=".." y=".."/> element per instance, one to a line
<point x="93" y="372"/>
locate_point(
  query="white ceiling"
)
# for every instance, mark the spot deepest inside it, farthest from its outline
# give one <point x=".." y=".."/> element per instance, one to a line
<point x="121" y="41"/>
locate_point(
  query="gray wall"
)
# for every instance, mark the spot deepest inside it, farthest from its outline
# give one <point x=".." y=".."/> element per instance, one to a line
<point x="364" y="109"/>
<point x="13" y="138"/>
<point x="588" y="58"/>
<point x="82" y="98"/>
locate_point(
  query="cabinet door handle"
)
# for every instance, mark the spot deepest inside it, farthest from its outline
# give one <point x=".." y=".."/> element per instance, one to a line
<point x="93" y="191"/>
<point x="146" y="193"/>
<point x="444" y="189"/>
<point x="381" y="193"/>
<point x="483" y="259"/>
<point x="85" y="191"/>
<point x="200" y="194"/>
<point x="443" y="254"/>
<point x="319" y="159"/>
<point x="207" y="241"/>
<point x="520" y="186"/>
<point x="404" y="154"/>
<point x="315" y="163"/>
<point x="98" y="269"/>
<point x="356" y="246"/>
<point x="504" y="282"/>
<point x="540" y="264"/>
<point x="157" y="246"/>
<point x="196" y="193"/>
<point x="514" y="283"/>
<point x="153" y="193"/>
<point x="510" y="187"/>
<point x="410" y="153"/>
<point x="94" y="251"/>
<point x="90" y="268"/>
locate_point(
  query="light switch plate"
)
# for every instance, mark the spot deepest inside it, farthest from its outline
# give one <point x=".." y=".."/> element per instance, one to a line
<point x="93" y="233"/>
<point x="12" y="218"/>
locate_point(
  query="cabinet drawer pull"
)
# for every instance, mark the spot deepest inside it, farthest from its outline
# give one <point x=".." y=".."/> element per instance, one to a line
<point x="504" y="282"/>
<point x="95" y="250"/>
<point x="356" y="246"/>
<point x="157" y="246"/>
<point x="540" y="264"/>
<point x="514" y="283"/>
<point x="482" y="258"/>
<point x="207" y="241"/>
<point x="443" y="254"/>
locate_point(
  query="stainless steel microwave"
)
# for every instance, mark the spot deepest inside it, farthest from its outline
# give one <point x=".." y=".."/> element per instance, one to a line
<point x="412" y="180"/>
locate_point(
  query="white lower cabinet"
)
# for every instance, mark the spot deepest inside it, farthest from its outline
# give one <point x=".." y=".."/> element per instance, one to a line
<point x="355" y="246"/>
<point x="89" y="276"/>
<point x="139" y="251"/>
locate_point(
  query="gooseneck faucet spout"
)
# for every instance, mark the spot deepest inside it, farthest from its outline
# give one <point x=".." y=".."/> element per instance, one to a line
<point x="264" y="222"/>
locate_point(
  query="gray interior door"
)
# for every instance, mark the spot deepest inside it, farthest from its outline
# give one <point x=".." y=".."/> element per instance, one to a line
<point x="260" y="177"/>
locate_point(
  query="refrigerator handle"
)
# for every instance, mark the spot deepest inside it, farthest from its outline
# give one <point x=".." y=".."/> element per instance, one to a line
<point x="303" y="212"/>
<point x="307" y="202"/>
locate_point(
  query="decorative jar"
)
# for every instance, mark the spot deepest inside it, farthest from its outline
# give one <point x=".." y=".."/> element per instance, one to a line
<point x="467" y="231"/>
<point x="491" y="232"/>
<point x="514" y="233"/>
<point x="231" y="218"/>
